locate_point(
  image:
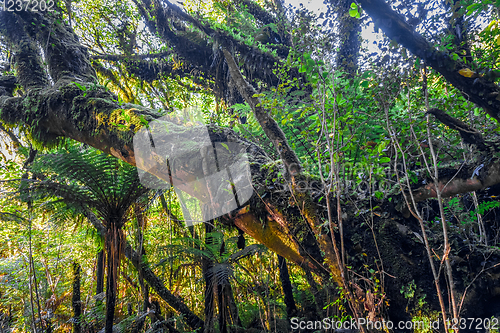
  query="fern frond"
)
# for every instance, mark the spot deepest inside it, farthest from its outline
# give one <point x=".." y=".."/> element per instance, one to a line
<point x="85" y="177"/>
<point x="247" y="251"/>
<point x="222" y="272"/>
<point x="183" y="250"/>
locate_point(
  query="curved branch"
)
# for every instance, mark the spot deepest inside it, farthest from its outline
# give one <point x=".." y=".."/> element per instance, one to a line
<point x="157" y="19"/>
<point x="469" y="134"/>
<point x="150" y="71"/>
<point x="478" y="90"/>
<point x="64" y="55"/>
<point x="29" y="68"/>
<point x="123" y="57"/>
<point x="258" y="64"/>
<point x="467" y="179"/>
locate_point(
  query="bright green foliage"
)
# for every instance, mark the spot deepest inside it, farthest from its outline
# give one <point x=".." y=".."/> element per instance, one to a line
<point x="86" y="178"/>
<point x="364" y="134"/>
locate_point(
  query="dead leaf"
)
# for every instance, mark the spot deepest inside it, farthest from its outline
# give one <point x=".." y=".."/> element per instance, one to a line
<point x="466" y="72"/>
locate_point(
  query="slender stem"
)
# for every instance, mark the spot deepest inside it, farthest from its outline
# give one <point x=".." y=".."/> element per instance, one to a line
<point x="334" y="179"/>
<point x="33" y="275"/>
<point x="415" y="212"/>
<point x="31" y="280"/>
<point x="447" y="248"/>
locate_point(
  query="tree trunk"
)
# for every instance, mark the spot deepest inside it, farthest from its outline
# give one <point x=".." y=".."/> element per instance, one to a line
<point x="113" y="245"/>
<point x="291" y="308"/>
<point x="222" y="309"/>
<point x="110" y="294"/>
<point x="228" y="310"/>
<point x="207" y="265"/>
<point x="150" y="277"/>
<point x="142" y="252"/>
<point x="76" y="301"/>
<point x="101" y="261"/>
<point x="349" y="38"/>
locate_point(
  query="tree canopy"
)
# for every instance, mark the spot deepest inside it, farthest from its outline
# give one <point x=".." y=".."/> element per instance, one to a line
<point x="259" y="166"/>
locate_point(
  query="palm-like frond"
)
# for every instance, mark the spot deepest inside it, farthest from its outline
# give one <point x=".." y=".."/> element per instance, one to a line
<point x="88" y="178"/>
<point x="223" y="271"/>
<point x="180" y="250"/>
<point x="208" y="249"/>
<point x="220" y="273"/>
<point x="12" y="216"/>
<point x="72" y="194"/>
<point x="247" y="251"/>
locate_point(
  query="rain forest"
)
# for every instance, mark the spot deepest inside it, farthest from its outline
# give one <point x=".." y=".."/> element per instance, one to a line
<point x="249" y="166"/>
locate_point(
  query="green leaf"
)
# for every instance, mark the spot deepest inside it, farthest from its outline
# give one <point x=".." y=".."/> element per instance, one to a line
<point x="384" y="160"/>
<point x="310" y="63"/>
<point x="472" y="8"/>
<point x="82" y="88"/>
<point x="143" y="121"/>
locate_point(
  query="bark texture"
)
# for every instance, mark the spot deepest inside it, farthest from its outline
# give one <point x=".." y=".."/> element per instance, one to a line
<point x="291" y="308"/>
<point x="101" y="260"/>
<point x="349" y="38"/>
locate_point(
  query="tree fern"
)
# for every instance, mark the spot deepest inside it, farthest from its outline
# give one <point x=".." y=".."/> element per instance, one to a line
<point x="84" y="178"/>
<point x="89" y="178"/>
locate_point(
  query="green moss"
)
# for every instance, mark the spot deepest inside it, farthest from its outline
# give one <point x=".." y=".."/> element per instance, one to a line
<point x="272" y="166"/>
<point x="35" y="110"/>
<point x="127" y="118"/>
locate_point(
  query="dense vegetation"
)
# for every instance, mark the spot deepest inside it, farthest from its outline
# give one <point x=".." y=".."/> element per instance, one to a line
<point x="365" y="173"/>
